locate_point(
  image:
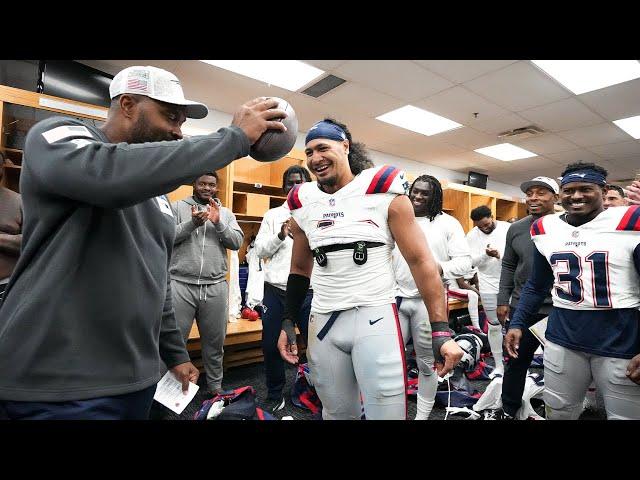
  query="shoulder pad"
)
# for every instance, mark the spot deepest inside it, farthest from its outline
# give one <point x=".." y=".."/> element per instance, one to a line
<point x="293" y="199"/>
<point x="388" y="179"/>
<point x="631" y="219"/>
<point x="537" y="228"/>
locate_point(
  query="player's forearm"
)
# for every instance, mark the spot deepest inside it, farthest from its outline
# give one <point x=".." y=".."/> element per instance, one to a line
<point x="531" y="299"/>
<point x="10" y="243"/>
<point x="267" y="242"/>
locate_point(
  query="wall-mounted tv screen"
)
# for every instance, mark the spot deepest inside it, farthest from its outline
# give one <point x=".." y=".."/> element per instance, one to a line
<point x="478" y="180"/>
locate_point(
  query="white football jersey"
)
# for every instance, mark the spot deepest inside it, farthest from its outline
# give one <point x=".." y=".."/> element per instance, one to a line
<point x="356" y="212"/>
<point x="489" y="268"/>
<point x="447" y="242"/>
<point x="593" y="263"/>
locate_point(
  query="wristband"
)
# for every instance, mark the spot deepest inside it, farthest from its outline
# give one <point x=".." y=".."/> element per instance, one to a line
<point x="440" y="334"/>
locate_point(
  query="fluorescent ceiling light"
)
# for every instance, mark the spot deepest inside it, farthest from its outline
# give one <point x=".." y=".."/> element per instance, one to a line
<point x="581" y="76"/>
<point x="630" y="125"/>
<point x="505" y="152"/>
<point x="418" y="120"/>
<point x="287" y="74"/>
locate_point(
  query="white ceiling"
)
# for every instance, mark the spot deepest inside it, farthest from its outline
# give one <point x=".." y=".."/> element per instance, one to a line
<point x="505" y="94"/>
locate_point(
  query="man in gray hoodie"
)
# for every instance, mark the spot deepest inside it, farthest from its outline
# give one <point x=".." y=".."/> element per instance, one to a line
<point x="204" y="231"/>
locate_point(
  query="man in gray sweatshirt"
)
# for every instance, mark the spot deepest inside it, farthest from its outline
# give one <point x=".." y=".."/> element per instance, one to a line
<point x="87" y="315"/>
<point x="204" y="231"/>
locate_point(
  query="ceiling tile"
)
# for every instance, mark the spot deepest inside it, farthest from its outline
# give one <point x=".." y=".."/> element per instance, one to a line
<point x="546" y="143"/>
<point x="460" y="71"/>
<point x="459" y="104"/>
<point x="563" y="115"/>
<point x="629" y="163"/>
<point x="466" y="138"/>
<point x="500" y="124"/>
<point x="476" y="159"/>
<point x="419" y="147"/>
<point x="617" y="150"/>
<point x="350" y="97"/>
<point x="600" y="134"/>
<point x="400" y="78"/>
<point x="220" y="89"/>
<point x="518" y="87"/>
<point x="309" y="110"/>
<point x="326" y="65"/>
<point x="527" y="164"/>
<point x="572" y="156"/>
<point x="615" y="102"/>
<point x="367" y="130"/>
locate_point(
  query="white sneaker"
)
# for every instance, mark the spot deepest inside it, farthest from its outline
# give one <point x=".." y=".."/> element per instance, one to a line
<point x="497" y="372"/>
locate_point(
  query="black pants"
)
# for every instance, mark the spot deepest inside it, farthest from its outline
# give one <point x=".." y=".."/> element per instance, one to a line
<point x="129" y="406"/>
<point x="515" y="374"/>
<point x="271" y="326"/>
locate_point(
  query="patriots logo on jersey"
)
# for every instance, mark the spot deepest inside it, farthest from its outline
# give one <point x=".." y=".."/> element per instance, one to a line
<point x="324" y="223"/>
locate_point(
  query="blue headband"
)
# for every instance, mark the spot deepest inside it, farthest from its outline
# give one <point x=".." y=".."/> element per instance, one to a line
<point x="587" y="175"/>
<point x="325" y="130"/>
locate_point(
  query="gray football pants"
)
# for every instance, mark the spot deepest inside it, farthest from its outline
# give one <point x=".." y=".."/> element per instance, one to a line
<point x="209" y="306"/>
<point x="568" y="374"/>
<point x="361" y="353"/>
<point x="414" y="322"/>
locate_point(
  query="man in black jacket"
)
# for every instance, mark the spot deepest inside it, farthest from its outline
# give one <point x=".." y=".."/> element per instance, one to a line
<point x="541" y="196"/>
<point x="87" y="315"/>
<point x="10" y="230"/>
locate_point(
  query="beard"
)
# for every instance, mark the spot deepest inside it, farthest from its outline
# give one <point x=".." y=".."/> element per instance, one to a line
<point x="142" y="132"/>
<point x="328" y="182"/>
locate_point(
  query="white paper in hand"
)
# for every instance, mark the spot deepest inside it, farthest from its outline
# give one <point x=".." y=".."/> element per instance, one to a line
<point x="169" y="393"/>
<point x="539" y="329"/>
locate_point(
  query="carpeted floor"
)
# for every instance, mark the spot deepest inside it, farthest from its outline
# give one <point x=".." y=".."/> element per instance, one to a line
<point x="254" y="375"/>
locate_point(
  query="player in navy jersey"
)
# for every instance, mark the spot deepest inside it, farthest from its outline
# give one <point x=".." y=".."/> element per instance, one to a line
<point x="590" y="259"/>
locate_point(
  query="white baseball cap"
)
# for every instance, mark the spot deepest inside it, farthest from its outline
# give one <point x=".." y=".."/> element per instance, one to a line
<point x="546" y="182"/>
<point x="155" y="83"/>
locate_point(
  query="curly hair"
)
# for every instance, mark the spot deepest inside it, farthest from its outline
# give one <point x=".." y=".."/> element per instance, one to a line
<point x="358" y="157"/>
<point x="304" y="173"/>
<point x="434" y="205"/>
<point x="573" y="167"/>
<point x="480" y="212"/>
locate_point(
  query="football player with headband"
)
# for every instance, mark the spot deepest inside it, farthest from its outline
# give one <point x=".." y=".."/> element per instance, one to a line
<point x="349" y="221"/>
<point x="590" y="259"/>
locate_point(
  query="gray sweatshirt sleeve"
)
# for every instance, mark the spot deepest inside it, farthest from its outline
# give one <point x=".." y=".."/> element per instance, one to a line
<point x="228" y="230"/>
<point x="507" y="274"/>
<point x="184" y="227"/>
<point x="173" y="351"/>
<point x="68" y="159"/>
